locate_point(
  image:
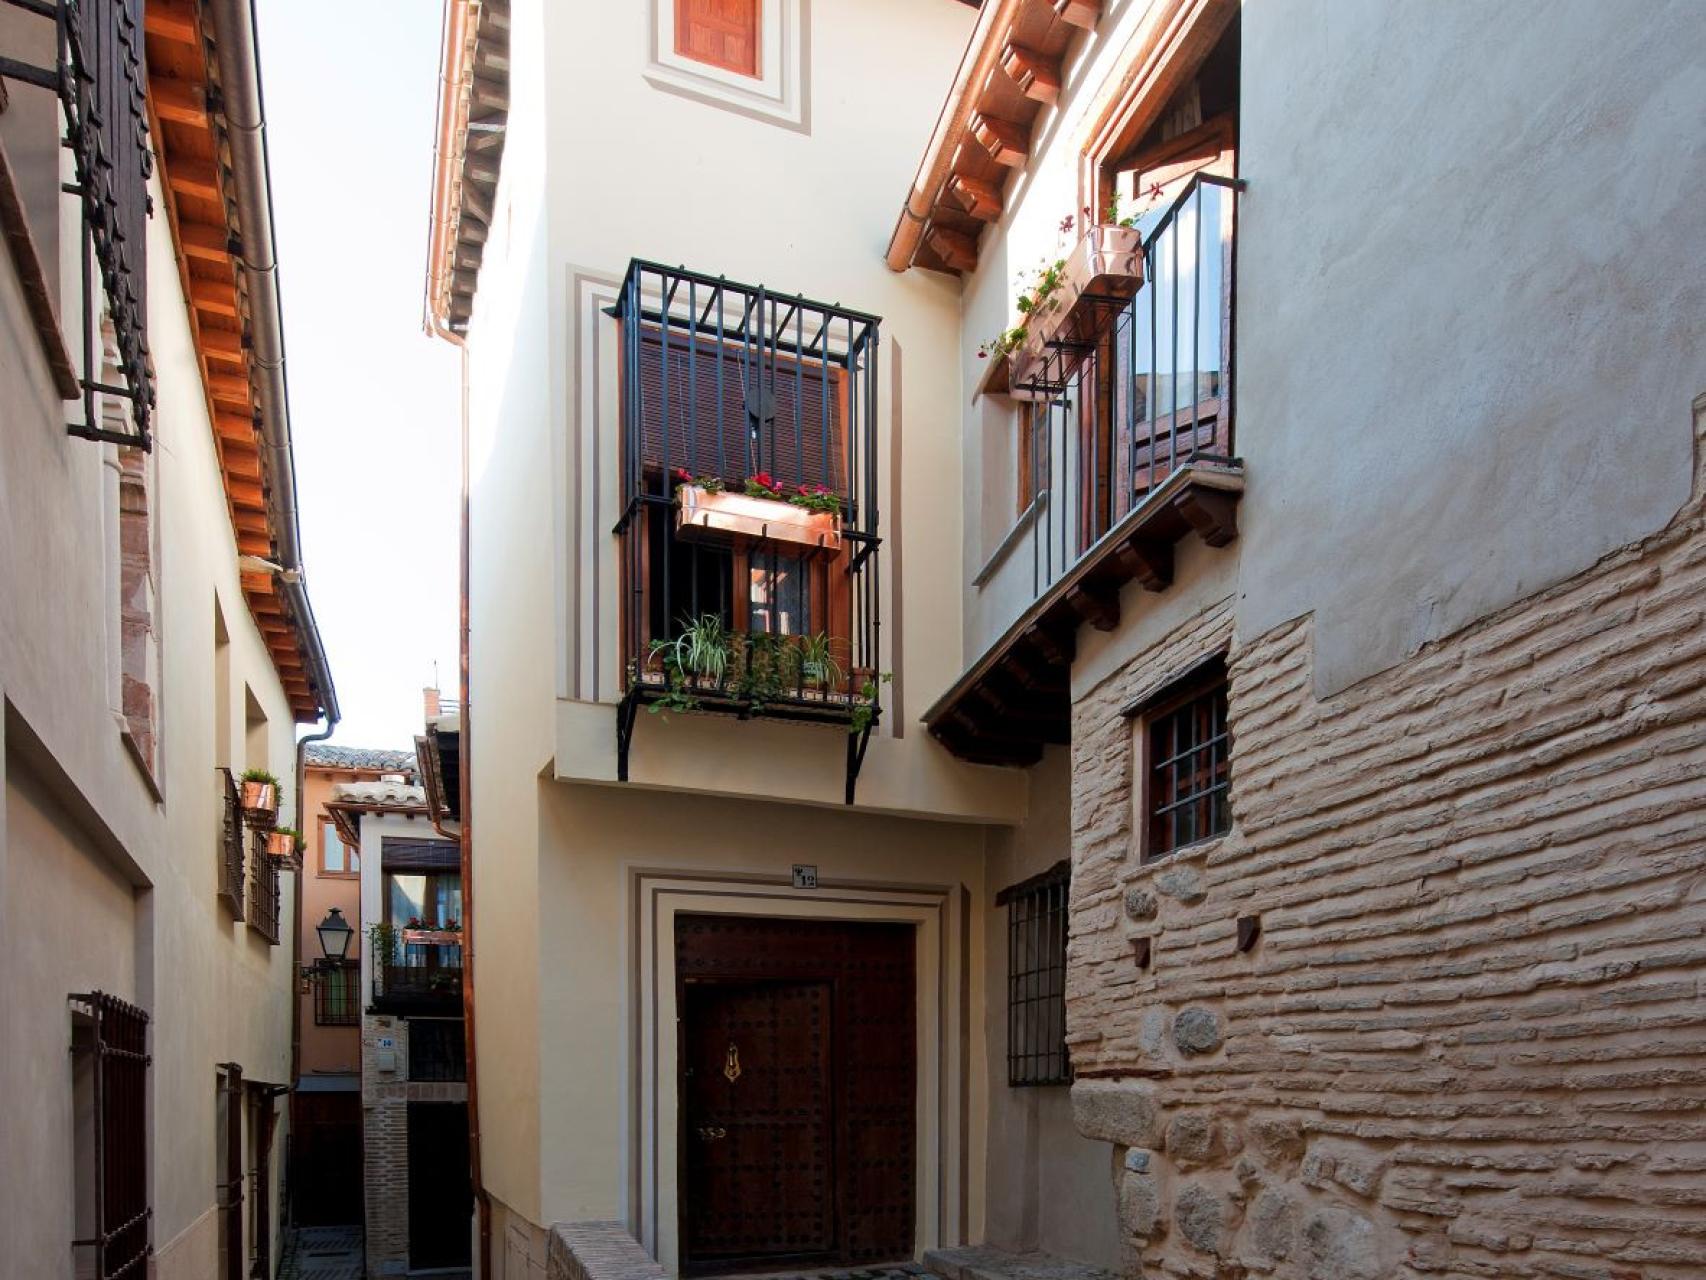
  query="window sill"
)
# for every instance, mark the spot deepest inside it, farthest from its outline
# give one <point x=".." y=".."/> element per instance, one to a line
<point x="1012" y="538"/>
<point x="1184" y="853"/>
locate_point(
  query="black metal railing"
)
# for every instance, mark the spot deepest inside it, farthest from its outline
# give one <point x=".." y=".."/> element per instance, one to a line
<point x="98" y="75"/>
<point x="1113" y="415"/>
<point x="115" y="1036"/>
<point x="419" y="976"/>
<point x="729" y="390"/>
<point x="231" y="847"/>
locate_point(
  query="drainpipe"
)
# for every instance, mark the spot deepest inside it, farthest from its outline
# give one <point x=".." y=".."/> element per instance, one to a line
<point x="296" y="931"/>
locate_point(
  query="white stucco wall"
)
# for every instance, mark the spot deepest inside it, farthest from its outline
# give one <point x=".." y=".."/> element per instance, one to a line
<point x="215" y="990"/>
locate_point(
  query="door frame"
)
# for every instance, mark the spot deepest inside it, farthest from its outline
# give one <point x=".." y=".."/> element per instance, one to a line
<point x="941" y="1012"/>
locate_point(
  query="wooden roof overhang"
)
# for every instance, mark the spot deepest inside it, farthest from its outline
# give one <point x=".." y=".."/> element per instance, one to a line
<point x="1010" y="74"/>
<point x="473" y="117"/>
<point x="195" y="161"/>
<point x="1016" y="699"/>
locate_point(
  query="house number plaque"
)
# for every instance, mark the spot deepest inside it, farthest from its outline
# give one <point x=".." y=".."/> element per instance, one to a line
<point x="805" y="877"/>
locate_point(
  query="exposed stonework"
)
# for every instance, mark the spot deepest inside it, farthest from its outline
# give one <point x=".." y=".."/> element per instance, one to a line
<point x="1122" y="1112"/>
<point x="1468" y="1040"/>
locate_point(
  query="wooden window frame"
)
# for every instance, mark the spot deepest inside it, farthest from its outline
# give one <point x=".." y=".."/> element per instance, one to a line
<point x="1205" y="679"/>
<point x="1039" y="905"/>
<point x="349" y="850"/>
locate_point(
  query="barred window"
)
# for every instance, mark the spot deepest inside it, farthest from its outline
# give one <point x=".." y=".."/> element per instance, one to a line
<point x="336" y="995"/>
<point x="110" y="1087"/>
<point x="437" y="1049"/>
<point x="1188" y="764"/>
<point x="1036" y="978"/>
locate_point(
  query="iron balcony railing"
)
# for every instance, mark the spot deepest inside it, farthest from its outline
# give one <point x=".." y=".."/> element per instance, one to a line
<point x="1114" y="414"/>
<point x="419" y="976"/>
<point x="264" y="895"/>
<point x="98" y="75"/>
<point x="729" y="389"/>
<point x="231" y="847"/>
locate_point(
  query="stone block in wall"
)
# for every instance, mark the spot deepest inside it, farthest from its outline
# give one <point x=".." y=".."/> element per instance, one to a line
<point x="598" y="1251"/>
<point x="1119" y="1111"/>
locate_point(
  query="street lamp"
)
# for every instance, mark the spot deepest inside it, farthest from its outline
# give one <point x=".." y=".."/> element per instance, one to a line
<point x="335" y="934"/>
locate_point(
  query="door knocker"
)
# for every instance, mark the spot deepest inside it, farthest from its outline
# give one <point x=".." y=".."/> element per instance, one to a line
<point x="731" y="1063"/>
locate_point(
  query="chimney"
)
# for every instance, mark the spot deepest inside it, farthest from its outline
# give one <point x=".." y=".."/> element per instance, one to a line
<point x="430" y="697"/>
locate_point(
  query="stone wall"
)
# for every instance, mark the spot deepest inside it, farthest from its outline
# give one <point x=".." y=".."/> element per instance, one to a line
<point x="1468" y="1040"/>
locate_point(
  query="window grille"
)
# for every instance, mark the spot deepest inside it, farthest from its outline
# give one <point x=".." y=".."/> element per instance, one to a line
<point x="100" y="81"/>
<point x="118" y="1040"/>
<point x="337" y="1001"/>
<point x="1036" y="979"/>
<point x="1190" y="776"/>
<point x="437" y="1049"/>
<point x="231" y="848"/>
<point x="264" y="893"/>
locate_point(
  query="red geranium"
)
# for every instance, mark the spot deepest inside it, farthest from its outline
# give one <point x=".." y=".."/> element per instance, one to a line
<point x="684" y="475"/>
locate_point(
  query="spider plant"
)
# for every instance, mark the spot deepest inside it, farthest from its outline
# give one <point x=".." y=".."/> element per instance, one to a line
<point x="817" y="661"/>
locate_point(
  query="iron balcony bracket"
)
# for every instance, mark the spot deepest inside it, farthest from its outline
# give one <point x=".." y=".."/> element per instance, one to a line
<point x="626" y="711"/>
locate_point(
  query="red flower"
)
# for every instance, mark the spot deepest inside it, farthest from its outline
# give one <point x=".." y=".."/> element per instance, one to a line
<point x="684" y="475"/>
<point x="1068" y="222"/>
<point x="766" y="480"/>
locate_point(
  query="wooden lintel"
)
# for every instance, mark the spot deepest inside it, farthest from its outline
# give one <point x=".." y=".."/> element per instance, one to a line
<point x="955" y="248"/>
<point x="1083" y="14"/>
<point x="981" y="199"/>
<point x="1211" y="512"/>
<point x="1036" y="74"/>
<point x="1097" y="604"/>
<point x="178" y="102"/>
<point x="1006" y="142"/>
<point x="1150" y="563"/>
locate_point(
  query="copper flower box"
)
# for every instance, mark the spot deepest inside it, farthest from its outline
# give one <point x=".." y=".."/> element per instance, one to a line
<point x="432" y="937"/>
<point x="1104" y="271"/>
<point x="282" y="844"/>
<point x="260" y="805"/>
<point x="704" y="513"/>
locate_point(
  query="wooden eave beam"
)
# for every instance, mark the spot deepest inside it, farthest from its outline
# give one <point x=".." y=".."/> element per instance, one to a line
<point x="173" y="20"/>
<point x="955" y="248"/>
<point x="1036" y="75"/>
<point x="178" y="102"/>
<point x="982" y="200"/>
<point x="1006" y="142"/>
<point x="193" y="177"/>
<point x="1083" y="14"/>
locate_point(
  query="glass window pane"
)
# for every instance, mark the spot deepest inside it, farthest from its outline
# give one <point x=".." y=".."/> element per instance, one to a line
<point x="406" y="898"/>
<point x="780" y="600"/>
<point x="334" y="849"/>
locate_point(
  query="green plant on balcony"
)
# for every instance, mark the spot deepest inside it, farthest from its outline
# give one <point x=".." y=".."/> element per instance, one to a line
<point x="383" y="939"/>
<point x="865" y="704"/>
<point x="819" y="670"/>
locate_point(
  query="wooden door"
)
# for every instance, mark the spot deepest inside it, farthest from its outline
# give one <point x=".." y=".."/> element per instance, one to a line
<point x="759" y="1130"/>
<point x="441" y="1199"/>
<point x="798" y="1089"/>
<point x="326" y="1159"/>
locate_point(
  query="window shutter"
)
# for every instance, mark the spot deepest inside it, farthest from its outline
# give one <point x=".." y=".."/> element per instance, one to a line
<point x="796" y="436"/>
<point x="720" y="33"/>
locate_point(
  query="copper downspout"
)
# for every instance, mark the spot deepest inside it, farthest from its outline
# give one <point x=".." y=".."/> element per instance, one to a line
<point x="951" y="128"/>
<point x="296" y="967"/>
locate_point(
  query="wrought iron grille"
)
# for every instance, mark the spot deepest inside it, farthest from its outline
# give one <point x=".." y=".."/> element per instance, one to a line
<point x="337" y="994"/>
<point x="231" y="848"/>
<point x="725" y="384"/>
<point x="100" y="80"/>
<point x="1115" y="412"/>
<point x="1190" y="775"/>
<point x="118" y="1042"/>
<point x="437" y="1049"/>
<point x="1036" y="979"/>
<point x="264" y="893"/>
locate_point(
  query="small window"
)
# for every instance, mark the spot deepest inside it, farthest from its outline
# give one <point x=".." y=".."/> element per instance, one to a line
<point x="1033" y="459"/>
<point x="780" y="602"/>
<point x="109" y="1041"/>
<point x="437" y="1050"/>
<point x="719" y="33"/>
<point x="337" y="858"/>
<point x="336" y="998"/>
<point x="1036" y="979"/>
<point x="1187" y="763"/>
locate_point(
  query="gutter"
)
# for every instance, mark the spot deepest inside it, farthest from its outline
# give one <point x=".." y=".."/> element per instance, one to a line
<point x="951" y="127"/>
<point x="245" y="127"/>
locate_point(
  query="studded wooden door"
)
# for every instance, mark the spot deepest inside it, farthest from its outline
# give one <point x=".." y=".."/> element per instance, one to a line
<point x="798" y="1091"/>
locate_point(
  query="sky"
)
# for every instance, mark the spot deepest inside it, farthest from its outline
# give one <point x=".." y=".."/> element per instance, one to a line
<point x="350" y="93"/>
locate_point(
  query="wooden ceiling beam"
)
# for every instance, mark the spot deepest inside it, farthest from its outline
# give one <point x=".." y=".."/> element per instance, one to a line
<point x="173" y="20"/>
<point x="955" y="248"/>
<point x="217" y="297"/>
<point x="1007" y="143"/>
<point x="1083" y="14"/>
<point x="234" y="427"/>
<point x="1036" y="74"/>
<point x="193" y="177"/>
<point x="205" y="242"/>
<point x="178" y="102"/>
<point x="983" y="200"/>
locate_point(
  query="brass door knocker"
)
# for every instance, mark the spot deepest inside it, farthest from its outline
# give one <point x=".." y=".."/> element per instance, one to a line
<point x="710" y="1133"/>
<point x="731" y="1063"/>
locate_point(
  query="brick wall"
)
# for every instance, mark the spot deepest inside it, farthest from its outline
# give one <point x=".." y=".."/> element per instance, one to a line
<point x="1469" y="1041"/>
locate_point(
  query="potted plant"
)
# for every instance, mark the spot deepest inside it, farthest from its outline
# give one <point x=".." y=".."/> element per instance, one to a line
<point x="260" y="799"/>
<point x="819" y="671"/>
<point x="865" y="698"/>
<point x="284" y="842"/>
<point x="382" y="938"/>
<point x="423" y="932"/>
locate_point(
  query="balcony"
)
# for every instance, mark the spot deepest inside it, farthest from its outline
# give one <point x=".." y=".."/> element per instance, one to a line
<point x="422" y="976"/>
<point x="748" y="532"/>
<point x="1127" y="395"/>
<point x="231" y="847"/>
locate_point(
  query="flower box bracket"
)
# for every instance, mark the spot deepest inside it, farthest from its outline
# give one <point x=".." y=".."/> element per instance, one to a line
<point x="1103" y="272"/>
